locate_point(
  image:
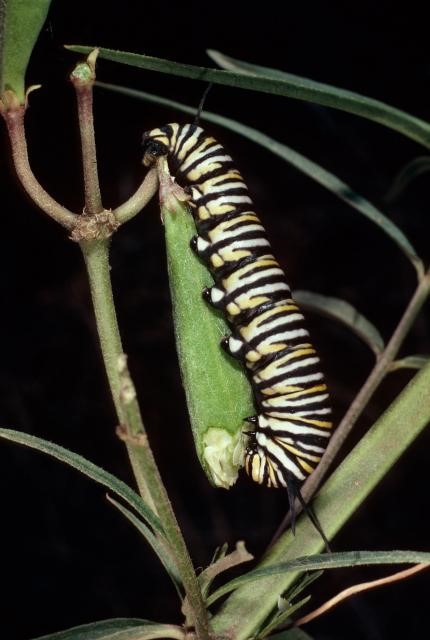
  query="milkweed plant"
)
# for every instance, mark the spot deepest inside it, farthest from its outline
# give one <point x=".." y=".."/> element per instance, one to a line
<point x="266" y="600"/>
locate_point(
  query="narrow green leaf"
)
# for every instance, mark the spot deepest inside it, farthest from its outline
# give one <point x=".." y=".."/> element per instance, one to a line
<point x="314" y="171"/>
<point x="118" y="629"/>
<point x="89" y="469"/>
<point x="340" y="496"/>
<point x="20" y="25"/>
<point x="331" y="96"/>
<point x="280" y="618"/>
<point x="218" y="393"/>
<point x="326" y="561"/>
<point x="287" y="85"/>
<point x="221" y="564"/>
<point x="343" y="312"/>
<point x="410" y="362"/>
<point x="158" y="546"/>
<point x="303" y="583"/>
<point x="417" y="167"/>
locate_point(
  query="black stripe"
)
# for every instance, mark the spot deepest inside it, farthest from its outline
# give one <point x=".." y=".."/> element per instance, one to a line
<point x="225" y="164"/>
<point x="281" y="470"/>
<point x="214" y="195"/>
<point x="262" y="281"/>
<point x="284" y="378"/>
<point x="244" y="236"/>
<point x="310" y="406"/>
<point x="190" y="133"/>
<point x="282" y="328"/>
<point x="231" y="266"/>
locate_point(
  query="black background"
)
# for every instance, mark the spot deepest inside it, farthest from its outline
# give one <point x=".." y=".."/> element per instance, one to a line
<point x="67" y="557"/>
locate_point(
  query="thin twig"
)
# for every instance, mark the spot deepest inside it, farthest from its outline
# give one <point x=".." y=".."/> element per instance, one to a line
<point x="14" y="119"/>
<point x="82" y="78"/>
<point x="359" y="588"/>
<point x="139" y="199"/>
<point x="144" y="466"/>
<point x="377" y="374"/>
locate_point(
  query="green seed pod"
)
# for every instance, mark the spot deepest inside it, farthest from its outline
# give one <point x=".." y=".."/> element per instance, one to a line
<point x="218" y="393"/>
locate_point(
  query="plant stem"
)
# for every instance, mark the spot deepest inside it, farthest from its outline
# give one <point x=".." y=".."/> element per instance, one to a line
<point x="144" y="467"/>
<point x="14" y="119"/>
<point x="139" y="199"/>
<point x="377" y="374"/>
<point x="82" y="79"/>
<point x="93" y="201"/>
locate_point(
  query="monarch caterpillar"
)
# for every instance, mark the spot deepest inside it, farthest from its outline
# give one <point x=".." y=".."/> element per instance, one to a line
<point x="290" y="432"/>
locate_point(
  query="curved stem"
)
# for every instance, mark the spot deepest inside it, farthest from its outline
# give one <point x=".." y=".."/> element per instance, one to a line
<point x="145" y="469"/>
<point x="359" y="588"/>
<point x="139" y="199"/>
<point x="15" y="125"/>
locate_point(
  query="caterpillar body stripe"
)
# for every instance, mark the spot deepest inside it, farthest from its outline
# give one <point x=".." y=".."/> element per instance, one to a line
<point x="292" y="427"/>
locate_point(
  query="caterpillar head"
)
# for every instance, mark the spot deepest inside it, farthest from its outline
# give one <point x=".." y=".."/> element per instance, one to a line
<point x="155" y="144"/>
<point x="153" y="149"/>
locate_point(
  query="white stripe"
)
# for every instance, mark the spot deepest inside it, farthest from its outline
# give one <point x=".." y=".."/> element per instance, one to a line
<point x="183" y="133"/>
<point x="296" y="364"/>
<point x="305" y="430"/>
<point x="245" y="244"/>
<point x="205" y="163"/>
<point x="282" y="401"/>
<point x="253" y="278"/>
<point x="280" y="319"/>
<point x="257" y="275"/>
<point x="261" y="291"/>
<point x="280" y="456"/>
<point x="284" y="336"/>
<point x="303" y="379"/>
<point x="319" y="412"/>
<point x="225" y="234"/>
<point x="207" y="187"/>
<point x="298" y="380"/>
<point x="226" y="199"/>
<point x="290" y="427"/>
<point x="309" y="447"/>
<point x="198" y="156"/>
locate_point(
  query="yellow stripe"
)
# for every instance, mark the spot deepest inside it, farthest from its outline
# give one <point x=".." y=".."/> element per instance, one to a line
<point x="272" y="474"/>
<point x="196" y="173"/>
<point x="305" y="392"/>
<point x="184" y="153"/>
<point x="307" y="467"/>
<point x="251" y="217"/>
<point x="232" y="174"/>
<point x="298" y="453"/>
<point x="270" y="371"/>
<point x="279" y="389"/>
<point x="241" y="273"/>
<point x="234" y="308"/>
<point x="230" y="255"/>
<point x="324" y="424"/>
<point x="248" y="331"/>
<point x="255" y="468"/>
